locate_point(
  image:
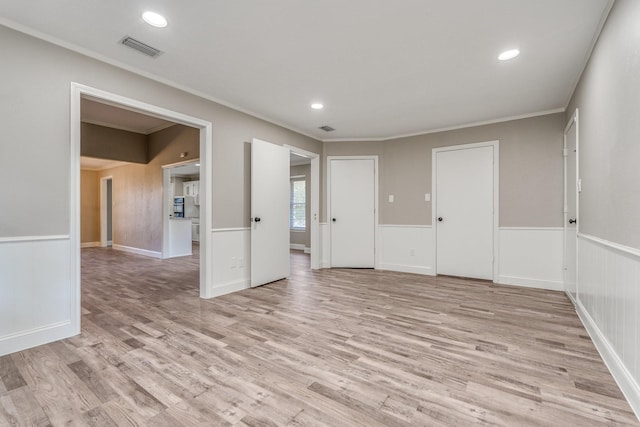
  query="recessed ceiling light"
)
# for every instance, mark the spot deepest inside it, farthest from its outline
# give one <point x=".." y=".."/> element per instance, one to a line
<point x="508" y="54"/>
<point x="154" y="19"/>
<point x="317" y="106"/>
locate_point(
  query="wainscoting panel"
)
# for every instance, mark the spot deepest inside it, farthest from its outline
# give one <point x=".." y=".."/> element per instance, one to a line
<point x="231" y="260"/>
<point x="531" y="257"/>
<point x="406" y="248"/>
<point x="325" y="245"/>
<point x="609" y="306"/>
<point x="35" y="292"/>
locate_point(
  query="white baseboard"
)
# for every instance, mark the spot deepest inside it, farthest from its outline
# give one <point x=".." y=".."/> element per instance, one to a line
<point x="138" y="251"/>
<point x="110" y="243"/>
<point x="35" y="337"/>
<point x="307" y="250"/>
<point x="90" y="245"/>
<point x="623" y="377"/>
<point x="531" y="283"/>
<point x="229" y="287"/>
<point x="296" y="246"/>
<point x="415" y="269"/>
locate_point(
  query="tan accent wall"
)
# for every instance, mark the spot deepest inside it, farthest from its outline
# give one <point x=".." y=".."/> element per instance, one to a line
<point x="113" y="144"/>
<point x="89" y="206"/>
<point x="608" y="96"/>
<point x="137" y="189"/>
<point x="35" y="86"/>
<point x="531" y="170"/>
<point x="303" y="237"/>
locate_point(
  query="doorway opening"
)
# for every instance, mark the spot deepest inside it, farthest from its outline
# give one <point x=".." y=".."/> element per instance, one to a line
<point x="204" y="131"/>
<point x="181" y="211"/>
<point x="304" y="215"/>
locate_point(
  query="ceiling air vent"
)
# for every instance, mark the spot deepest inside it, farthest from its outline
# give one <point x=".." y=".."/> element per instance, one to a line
<point x="140" y="47"/>
<point x="326" y="128"/>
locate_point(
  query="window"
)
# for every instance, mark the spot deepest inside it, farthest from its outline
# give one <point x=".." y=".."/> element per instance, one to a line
<point x="298" y="196"/>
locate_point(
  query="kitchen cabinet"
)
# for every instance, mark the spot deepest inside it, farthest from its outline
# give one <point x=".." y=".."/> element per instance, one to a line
<point x="191" y="188"/>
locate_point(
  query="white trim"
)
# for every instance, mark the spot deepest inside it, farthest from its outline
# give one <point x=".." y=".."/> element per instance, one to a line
<point x="307" y="250"/>
<point x="298" y="230"/>
<point x="297" y="246"/>
<point x="138" y="251"/>
<point x="531" y="283"/>
<point x="297" y="177"/>
<point x="628" y="250"/>
<point x="230" y="287"/>
<point x="406" y="269"/>
<point x="495" y="144"/>
<point x="404" y="226"/>
<point x="90" y="245"/>
<point x="33" y="238"/>
<point x="79" y="91"/>
<point x="629" y="387"/>
<point x="587" y="55"/>
<point x="532" y="228"/>
<point x="449" y="128"/>
<point x="314" y="203"/>
<point x="574" y="121"/>
<point x="34" y="337"/>
<point x="376" y="235"/>
<point x="224" y="230"/>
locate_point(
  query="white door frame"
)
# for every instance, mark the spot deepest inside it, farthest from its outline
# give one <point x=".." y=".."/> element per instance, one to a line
<point x="496" y="200"/>
<point x="79" y="91"/>
<point x="376" y="252"/>
<point x="166" y="182"/>
<point x="565" y="209"/>
<point x="103" y="210"/>
<point x="315" y="203"/>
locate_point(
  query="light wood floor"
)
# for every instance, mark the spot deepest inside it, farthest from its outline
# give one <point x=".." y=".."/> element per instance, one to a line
<point x="327" y="348"/>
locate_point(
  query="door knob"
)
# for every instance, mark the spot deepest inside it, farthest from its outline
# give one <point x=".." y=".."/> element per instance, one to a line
<point x="333" y="219"/>
<point x="439" y="219"/>
<point x="572" y="221"/>
<point x="256" y="219"/>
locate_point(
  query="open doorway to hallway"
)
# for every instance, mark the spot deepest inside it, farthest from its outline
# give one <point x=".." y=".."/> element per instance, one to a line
<point x="300" y="211"/>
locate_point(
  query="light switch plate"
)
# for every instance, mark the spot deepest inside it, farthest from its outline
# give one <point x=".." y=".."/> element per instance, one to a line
<point x="390" y="198"/>
<point x="427" y="197"/>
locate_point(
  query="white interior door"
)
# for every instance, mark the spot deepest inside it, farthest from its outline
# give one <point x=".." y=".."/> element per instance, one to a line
<point x="464" y="209"/>
<point x="570" y="205"/>
<point x="269" y="212"/>
<point x="352" y="215"/>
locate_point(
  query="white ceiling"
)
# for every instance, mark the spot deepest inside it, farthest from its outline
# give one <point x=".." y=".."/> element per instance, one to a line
<point x="382" y="68"/>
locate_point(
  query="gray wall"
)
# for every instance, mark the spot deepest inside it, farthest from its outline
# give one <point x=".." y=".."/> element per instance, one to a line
<point x="35" y="88"/>
<point x="608" y="97"/>
<point x="303" y="237"/>
<point x="531" y="170"/>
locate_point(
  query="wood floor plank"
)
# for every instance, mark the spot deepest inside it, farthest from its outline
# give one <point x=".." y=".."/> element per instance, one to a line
<point x="333" y="347"/>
